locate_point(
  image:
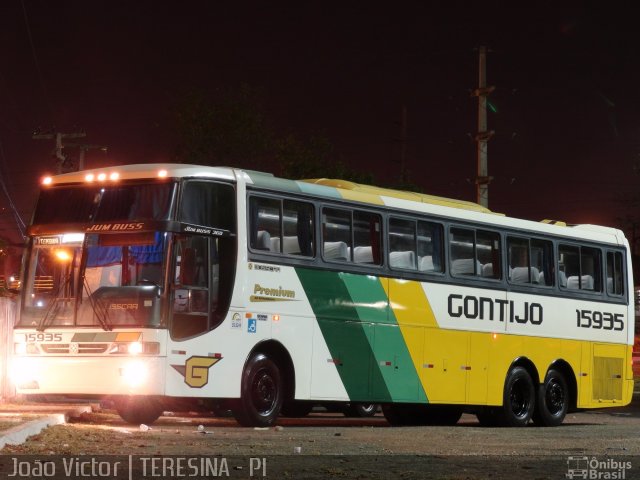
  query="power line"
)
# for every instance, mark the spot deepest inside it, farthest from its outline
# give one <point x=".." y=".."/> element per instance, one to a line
<point x="35" y="60"/>
<point x="19" y="222"/>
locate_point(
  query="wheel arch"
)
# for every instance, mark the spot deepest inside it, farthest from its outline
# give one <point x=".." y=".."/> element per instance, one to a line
<point x="569" y="375"/>
<point x="280" y="355"/>
<point x="528" y="365"/>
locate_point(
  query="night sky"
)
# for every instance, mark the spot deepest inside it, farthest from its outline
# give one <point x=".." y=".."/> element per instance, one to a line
<point x="567" y="98"/>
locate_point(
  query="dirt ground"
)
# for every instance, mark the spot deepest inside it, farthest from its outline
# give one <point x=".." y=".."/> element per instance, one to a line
<point x="325" y="445"/>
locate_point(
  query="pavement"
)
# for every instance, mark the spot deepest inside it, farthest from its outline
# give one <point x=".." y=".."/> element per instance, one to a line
<point x="30" y="419"/>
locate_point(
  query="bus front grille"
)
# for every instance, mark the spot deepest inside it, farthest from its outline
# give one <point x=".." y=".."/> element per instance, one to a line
<point x="74" y="348"/>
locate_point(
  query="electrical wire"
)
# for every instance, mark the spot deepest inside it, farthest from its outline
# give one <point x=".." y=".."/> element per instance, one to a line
<point x="19" y="222"/>
<point x="35" y="60"/>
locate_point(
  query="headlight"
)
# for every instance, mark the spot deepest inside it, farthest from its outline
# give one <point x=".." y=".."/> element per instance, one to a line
<point x="24" y="373"/>
<point x="134" y="374"/>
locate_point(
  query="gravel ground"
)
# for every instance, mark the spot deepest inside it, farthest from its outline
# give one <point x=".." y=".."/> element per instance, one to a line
<point x="332" y="446"/>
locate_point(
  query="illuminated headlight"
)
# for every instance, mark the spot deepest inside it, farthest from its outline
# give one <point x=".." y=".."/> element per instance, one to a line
<point x="135" y="348"/>
<point x="23" y="373"/>
<point x="134" y="374"/>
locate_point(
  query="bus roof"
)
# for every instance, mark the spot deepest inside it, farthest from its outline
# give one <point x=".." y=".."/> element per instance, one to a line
<point x="402" y="194"/>
<point x="342" y="190"/>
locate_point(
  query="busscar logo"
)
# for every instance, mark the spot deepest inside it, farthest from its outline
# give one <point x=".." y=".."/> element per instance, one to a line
<point x="196" y="370"/>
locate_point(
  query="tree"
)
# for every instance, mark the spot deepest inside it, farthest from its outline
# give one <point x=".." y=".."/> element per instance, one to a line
<point x="232" y="130"/>
<point x="228" y="130"/>
<point x="314" y="158"/>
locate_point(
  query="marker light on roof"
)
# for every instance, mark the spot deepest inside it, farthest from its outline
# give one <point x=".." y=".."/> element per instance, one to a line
<point x="114" y="176"/>
<point x="102" y="177"/>
<point x="47" y="181"/>
<point x="162" y="173"/>
<point x="89" y="177"/>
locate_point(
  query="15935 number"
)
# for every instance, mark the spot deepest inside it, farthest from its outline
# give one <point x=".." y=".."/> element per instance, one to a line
<point x="43" y="337"/>
<point x="600" y="320"/>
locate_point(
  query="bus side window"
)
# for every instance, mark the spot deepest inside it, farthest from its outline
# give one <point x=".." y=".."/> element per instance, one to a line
<point x="297" y="228"/>
<point x="462" y="245"/>
<point x="366" y="238"/>
<point x="581" y="267"/>
<point x="615" y="283"/>
<point x="475" y="253"/>
<point x="402" y="244"/>
<point x="430" y="247"/>
<point x="265" y="224"/>
<point x="336" y="238"/>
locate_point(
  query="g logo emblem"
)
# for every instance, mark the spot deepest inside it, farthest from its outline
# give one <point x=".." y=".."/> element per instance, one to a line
<point x="196" y="373"/>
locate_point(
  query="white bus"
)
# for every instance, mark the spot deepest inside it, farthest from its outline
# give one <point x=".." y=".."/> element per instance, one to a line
<point x="165" y="285"/>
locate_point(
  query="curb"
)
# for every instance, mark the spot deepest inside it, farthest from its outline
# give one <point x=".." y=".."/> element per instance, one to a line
<point x="18" y="434"/>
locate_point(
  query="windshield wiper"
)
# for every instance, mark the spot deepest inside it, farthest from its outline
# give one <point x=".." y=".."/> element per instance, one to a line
<point x="54" y="307"/>
<point x="103" y="317"/>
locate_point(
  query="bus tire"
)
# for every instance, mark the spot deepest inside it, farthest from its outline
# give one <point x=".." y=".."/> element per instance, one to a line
<point x="261" y="393"/>
<point x="552" y="400"/>
<point x="137" y="410"/>
<point x="360" y="410"/>
<point x="519" y="399"/>
<point x="296" y="409"/>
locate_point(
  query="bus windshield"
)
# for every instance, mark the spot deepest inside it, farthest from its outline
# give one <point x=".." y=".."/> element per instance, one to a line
<point x="104" y="203"/>
<point x="105" y="280"/>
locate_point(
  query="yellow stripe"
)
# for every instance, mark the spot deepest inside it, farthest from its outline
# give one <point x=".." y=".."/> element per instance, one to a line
<point x="128" y="336"/>
<point x="360" y="197"/>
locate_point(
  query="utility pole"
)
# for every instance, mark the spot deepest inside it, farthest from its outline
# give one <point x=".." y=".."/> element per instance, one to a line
<point x="83" y="147"/>
<point x="63" y="164"/>
<point x="483" y="136"/>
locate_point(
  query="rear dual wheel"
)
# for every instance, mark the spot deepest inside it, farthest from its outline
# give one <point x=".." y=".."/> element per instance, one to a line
<point x="546" y="404"/>
<point x="552" y="400"/>
<point x="518" y="402"/>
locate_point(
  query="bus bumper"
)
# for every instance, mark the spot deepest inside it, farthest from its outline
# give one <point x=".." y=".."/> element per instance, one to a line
<point x="88" y="375"/>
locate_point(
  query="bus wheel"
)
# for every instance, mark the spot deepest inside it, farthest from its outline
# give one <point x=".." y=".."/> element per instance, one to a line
<point x="518" y="399"/>
<point x="261" y="393"/>
<point x="552" y="401"/>
<point x="296" y="409"/>
<point x="137" y="410"/>
<point x="361" y="410"/>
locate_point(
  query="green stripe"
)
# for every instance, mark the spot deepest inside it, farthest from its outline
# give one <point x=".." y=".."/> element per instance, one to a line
<point x="319" y="190"/>
<point x="361" y="331"/>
